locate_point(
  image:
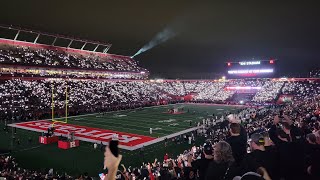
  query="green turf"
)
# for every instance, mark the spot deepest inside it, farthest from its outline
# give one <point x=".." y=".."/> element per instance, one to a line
<point x="140" y="121"/>
<point x="86" y="159"/>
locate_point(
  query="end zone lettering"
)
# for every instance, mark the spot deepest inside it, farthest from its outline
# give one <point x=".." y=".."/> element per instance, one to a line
<point x="86" y="133"/>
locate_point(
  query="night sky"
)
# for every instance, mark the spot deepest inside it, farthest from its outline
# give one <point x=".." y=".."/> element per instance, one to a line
<point x="208" y="33"/>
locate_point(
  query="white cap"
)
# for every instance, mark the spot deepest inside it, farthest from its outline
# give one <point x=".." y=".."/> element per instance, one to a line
<point x="115" y="137"/>
<point x="232" y="118"/>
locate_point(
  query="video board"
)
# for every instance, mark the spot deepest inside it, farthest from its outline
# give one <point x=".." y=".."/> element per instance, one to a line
<point x="251" y="69"/>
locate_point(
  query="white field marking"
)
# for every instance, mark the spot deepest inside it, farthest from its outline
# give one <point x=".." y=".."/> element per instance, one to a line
<point x="167" y="121"/>
<point x="106" y="123"/>
<point x="123" y="127"/>
<point x="103" y="119"/>
<point x="151" y="107"/>
<point x="132" y="148"/>
<point x="174" y="124"/>
<point x="213" y="104"/>
<point x="165" y="137"/>
<point x="119" y="115"/>
<point x="103" y="112"/>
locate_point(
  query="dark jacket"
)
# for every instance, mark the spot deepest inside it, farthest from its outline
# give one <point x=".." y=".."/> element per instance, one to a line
<point x="238" y="145"/>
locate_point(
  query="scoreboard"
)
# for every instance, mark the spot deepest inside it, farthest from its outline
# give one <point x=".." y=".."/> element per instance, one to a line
<point x="251" y="69"/>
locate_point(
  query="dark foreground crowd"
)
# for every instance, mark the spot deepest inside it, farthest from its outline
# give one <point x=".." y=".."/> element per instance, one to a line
<point x="273" y="143"/>
<point x="269" y="143"/>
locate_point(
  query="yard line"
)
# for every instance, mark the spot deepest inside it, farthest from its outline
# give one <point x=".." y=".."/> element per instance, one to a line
<point x="126" y="128"/>
<point x="91" y="114"/>
<point x="144" y="123"/>
<point x="191" y="105"/>
<point x="148" y="116"/>
<point x="142" y="116"/>
<point x="114" y="123"/>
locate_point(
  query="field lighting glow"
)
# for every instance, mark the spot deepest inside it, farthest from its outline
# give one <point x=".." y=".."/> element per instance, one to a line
<point x="251" y="71"/>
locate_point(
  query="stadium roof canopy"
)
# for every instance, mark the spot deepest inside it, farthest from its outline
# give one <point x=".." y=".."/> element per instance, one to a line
<point x="35" y="37"/>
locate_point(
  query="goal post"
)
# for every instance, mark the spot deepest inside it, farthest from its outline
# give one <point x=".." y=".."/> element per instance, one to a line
<point x="59" y="120"/>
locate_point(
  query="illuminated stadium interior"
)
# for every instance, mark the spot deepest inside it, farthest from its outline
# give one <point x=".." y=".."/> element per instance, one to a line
<point x="185" y="91"/>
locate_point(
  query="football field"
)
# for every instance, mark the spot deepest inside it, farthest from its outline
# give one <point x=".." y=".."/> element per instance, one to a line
<point x="129" y="122"/>
<point x="135" y="128"/>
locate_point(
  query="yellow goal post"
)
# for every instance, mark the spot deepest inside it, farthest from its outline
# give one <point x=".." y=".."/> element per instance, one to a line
<point x="60" y="120"/>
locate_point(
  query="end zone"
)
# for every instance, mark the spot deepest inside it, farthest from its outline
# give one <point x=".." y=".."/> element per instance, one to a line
<point x="127" y="141"/>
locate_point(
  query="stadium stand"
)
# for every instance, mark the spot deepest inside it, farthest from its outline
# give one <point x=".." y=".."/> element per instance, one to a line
<point x="112" y="95"/>
<point x="315" y="73"/>
<point x="22" y="55"/>
<point x="270" y="160"/>
<point x="302" y="90"/>
<point x="282" y="145"/>
<point x="58" y="62"/>
<point x="269" y="92"/>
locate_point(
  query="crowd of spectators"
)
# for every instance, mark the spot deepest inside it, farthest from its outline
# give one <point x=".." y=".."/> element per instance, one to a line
<point x="9" y="169"/>
<point x="21" y="55"/>
<point x="27" y="100"/>
<point x="179" y="88"/>
<point x="269" y="91"/>
<point x="210" y="92"/>
<point x="31" y="99"/>
<point x="301" y="89"/>
<point x="275" y="142"/>
<point x="247" y="83"/>
<point x="283" y="141"/>
<point x="315" y="73"/>
<point x="192" y="87"/>
<point x="219" y="92"/>
<point x="66" y="74"/>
